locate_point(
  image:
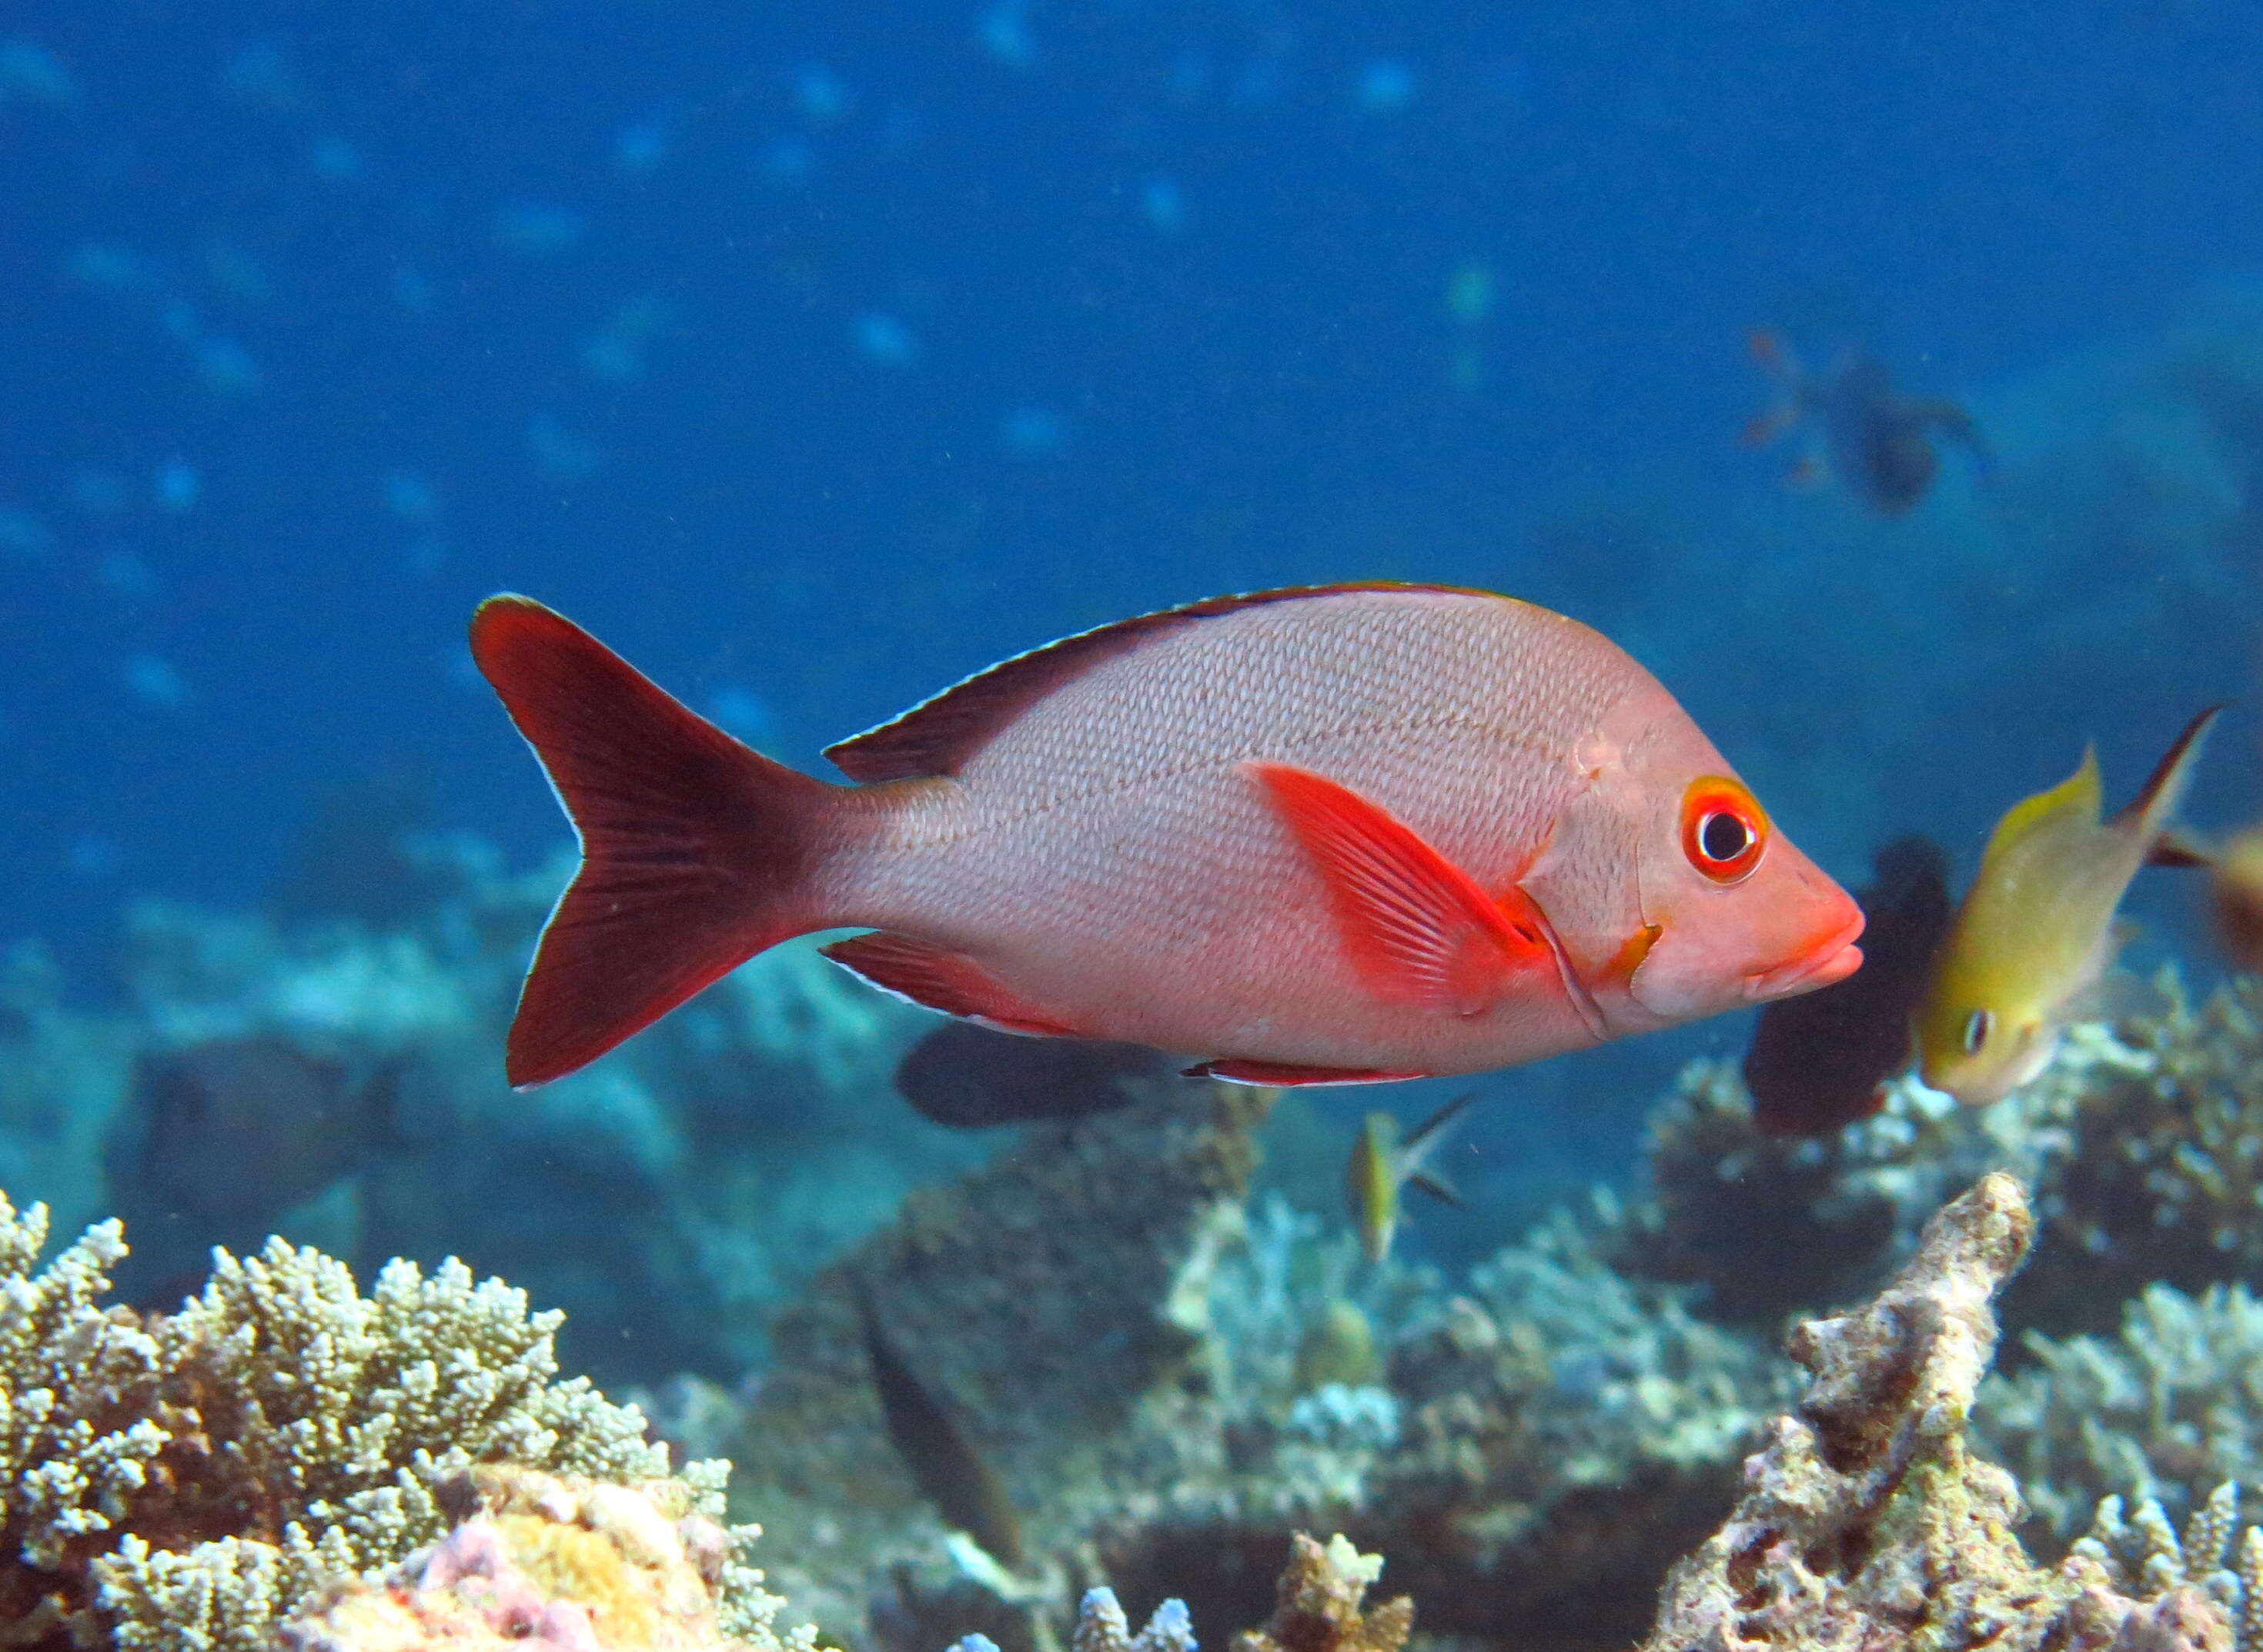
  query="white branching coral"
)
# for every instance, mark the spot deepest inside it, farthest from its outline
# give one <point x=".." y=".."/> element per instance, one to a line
<point x="185" y="1481"/>
<point x="2143" y="1557"/>
<point x="2164" y="1411"/>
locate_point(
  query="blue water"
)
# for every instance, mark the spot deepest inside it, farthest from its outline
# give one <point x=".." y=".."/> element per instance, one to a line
<point x="815" y="357"/>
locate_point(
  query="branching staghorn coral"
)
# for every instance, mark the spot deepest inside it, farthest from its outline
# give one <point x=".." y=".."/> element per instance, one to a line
<point x="185" y="1480"/>
<point x="2165" y="1412"/>
<point x="2143" y="1557"/>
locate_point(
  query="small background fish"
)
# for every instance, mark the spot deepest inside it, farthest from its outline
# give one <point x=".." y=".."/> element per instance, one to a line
<point x="2033" y="935"/>
<point x="935" y="1445"/>
<point x="245" y="1126"/>
<point x="969" y="1076"/>
<point x="1863" y="434"/>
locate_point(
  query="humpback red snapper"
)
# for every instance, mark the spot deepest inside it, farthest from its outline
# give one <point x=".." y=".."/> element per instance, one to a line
<point x="1334" y="833"/>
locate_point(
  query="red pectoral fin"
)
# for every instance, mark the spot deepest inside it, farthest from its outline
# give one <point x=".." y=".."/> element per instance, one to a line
<point x="1417" y="929"/>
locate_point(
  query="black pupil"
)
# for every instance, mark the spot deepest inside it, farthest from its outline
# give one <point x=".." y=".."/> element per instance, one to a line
<point x="1723" y="837"/>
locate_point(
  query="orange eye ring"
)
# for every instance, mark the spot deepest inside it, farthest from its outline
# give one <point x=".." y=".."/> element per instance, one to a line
<point x="1723" y="829"/>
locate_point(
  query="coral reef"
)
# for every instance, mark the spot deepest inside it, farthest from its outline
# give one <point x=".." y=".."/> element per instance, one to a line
<point x="1165" y="1383"/>
<point x="1768" y="1225"/>
<point x="386" y="1128"/>
<point x="2143" y="1557"/>
<point x="2165" y="1412"/>
<point x="572" y="1565"/>
<point x="1569" y="1433"/>
<point x="1318" y="1607"/>
<point x="1102" y="1626"/>
<point x="188" y="1478"/>
<point x="1046" y="1297"/>
<point x="1868" y="1524"/>
<point x="2144" y="1142"/>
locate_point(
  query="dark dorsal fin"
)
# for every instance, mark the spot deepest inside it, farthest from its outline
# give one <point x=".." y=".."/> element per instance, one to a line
<point x="941" y="733"/>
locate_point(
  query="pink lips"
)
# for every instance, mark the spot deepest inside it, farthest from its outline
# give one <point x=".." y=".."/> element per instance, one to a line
<point x="1832" y="958"/>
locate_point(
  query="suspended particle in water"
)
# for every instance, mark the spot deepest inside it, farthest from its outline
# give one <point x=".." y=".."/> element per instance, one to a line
<point x="109" y="269"/>
<point x="32" y="74"/>
<point x="1384" y="87"/>
<point x="262" y="74"/>
<point x="789" y="160"/>
<point x="532" y="229"/>
<point x="412" y="290"/>
<point x="226" y="367"/>
<point x="175" y="486"/>
<point x="1034" y="432"/>
<point x="1004" y="31"/>
<point x="1163" y="207"/>
<point x="883" y="338"/>
<point x="24" y="534"/>
<point x="821" y="95"/>
<point x="560" y="453"/>
<point x="1470" y="292"/>
<point x="153" y="682"/>
<point x="409" y="497"/>
<point x="737" y="710"/>
<point x="640" y="149"/>
<point x="335" y="161"/>
<point x="124" y="574"/>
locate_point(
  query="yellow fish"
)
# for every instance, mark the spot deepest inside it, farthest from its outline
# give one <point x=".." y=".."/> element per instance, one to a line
<point x="2035" y="931"/>
<point x="1382" y="1165"/>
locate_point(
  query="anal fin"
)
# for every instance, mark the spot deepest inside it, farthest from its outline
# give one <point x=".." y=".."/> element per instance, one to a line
<point x="937" y="978"/>
<point x="1290" y="1075"/>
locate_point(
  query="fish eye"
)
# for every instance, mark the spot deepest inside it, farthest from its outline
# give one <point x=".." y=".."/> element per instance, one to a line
<point x="1722" y="836"/>
<point x="1977" y="1028"/>
<point x="1723" y="830"/>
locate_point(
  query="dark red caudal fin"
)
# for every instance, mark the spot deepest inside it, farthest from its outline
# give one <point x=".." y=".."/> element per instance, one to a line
<point x="695" y="850"/>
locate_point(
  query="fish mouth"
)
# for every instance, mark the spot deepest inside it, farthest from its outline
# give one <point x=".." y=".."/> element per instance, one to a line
<point x="1830" y="960"/>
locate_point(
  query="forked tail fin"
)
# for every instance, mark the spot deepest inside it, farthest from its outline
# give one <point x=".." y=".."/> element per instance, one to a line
<point x="696" y="851"/>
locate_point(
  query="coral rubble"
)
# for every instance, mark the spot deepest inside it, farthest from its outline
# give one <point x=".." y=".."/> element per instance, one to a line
<point x="1868" y="1523"/>
<point x="188" y="1479"/>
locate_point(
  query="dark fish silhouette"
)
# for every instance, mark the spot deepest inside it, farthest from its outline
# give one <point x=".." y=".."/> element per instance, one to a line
<point x="965" y="1490"/>
<point x="1822" y="1060"/>
<point x="1865" y="435"/>
<point x="242" y="1128"/>
<point x="968" y="1075"/>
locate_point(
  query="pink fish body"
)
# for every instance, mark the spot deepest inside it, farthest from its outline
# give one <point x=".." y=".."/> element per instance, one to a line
<point x="1324" y="834"/>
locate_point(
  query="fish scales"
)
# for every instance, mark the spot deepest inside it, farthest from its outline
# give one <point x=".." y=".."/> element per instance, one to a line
<point x="1117" y="806"/>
